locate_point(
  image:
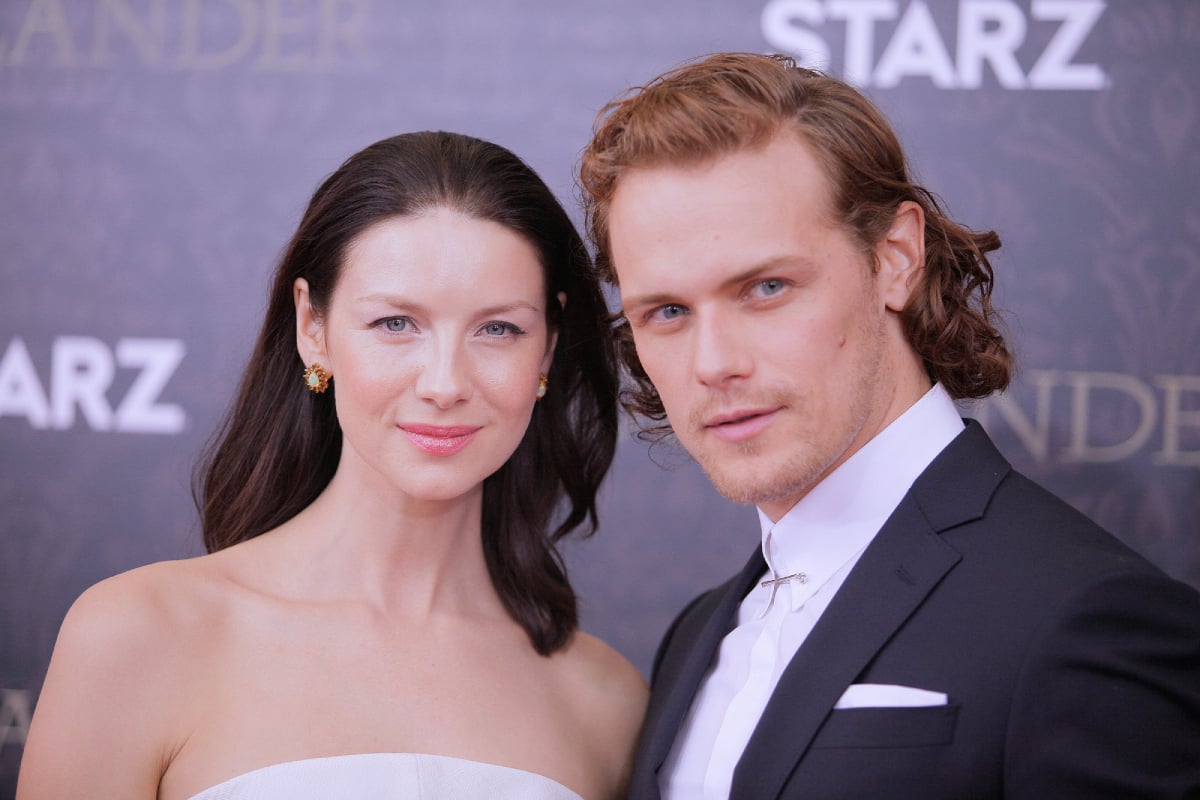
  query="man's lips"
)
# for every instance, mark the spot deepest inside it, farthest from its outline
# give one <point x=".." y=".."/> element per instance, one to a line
<point x="737" y="426"/>
<point x="439" y="440"/>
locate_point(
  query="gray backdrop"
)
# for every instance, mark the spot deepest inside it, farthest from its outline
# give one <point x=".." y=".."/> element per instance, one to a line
<point x="156" y="155"/>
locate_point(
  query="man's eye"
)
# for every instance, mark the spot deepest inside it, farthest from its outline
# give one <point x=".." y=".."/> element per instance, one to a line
<point x="770" y="286"/>
<point x="671" y="311"/>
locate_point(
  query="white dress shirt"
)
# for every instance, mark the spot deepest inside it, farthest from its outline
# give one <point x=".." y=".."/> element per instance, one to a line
<point x="822" y="537"/>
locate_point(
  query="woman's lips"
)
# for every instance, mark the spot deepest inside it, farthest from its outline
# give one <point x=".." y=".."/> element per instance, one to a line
<point x="739" y="426"/>
<point x="440" y="440"/>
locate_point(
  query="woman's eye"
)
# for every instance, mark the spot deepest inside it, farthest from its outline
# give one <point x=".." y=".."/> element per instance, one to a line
<point x="397" y="324"/>
<point x="501" y="329"/>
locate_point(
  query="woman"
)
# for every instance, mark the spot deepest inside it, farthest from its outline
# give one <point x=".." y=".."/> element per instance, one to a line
<point x="430" y="406"/>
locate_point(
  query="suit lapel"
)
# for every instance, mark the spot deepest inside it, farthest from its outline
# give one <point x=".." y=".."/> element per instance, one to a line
<point x="684" y="664"/>
<point x="904" y="563"/>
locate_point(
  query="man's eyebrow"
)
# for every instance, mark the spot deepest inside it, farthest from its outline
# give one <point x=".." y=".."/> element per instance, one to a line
<point x="758" y="269"/>
<point x="656" y="299"/>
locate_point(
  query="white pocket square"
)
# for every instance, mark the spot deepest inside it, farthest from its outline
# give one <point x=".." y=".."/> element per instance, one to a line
<point x="886" y="695"/>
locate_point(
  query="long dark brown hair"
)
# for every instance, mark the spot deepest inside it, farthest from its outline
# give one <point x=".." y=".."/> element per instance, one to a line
<point x="279" y="444"/>
<point x="733" y="101"/>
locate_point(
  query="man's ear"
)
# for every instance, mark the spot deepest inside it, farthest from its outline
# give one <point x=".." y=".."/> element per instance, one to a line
<point x="310" y="332"/>
<point x="901" y="255"/>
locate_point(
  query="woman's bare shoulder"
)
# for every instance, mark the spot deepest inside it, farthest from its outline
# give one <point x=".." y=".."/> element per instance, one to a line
<point x="150" y="611"/>
<point x="596" y="664"/>
<point x="611" y="695"/>
<point x="116" y="679"/>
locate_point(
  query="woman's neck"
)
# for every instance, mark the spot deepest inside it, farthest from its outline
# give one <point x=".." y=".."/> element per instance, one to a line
<point x="362" y="541"/>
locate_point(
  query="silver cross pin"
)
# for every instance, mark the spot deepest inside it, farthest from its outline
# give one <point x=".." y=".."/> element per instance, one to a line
<point x="799" y="577"/>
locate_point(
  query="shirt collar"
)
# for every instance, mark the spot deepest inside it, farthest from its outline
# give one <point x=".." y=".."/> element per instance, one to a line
<point x="840" y="516"/>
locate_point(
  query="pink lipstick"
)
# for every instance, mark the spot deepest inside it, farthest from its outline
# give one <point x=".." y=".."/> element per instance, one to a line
<point x="440" y="440"/>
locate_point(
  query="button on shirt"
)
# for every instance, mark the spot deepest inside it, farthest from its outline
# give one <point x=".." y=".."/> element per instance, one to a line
<point x="822" y="537"/>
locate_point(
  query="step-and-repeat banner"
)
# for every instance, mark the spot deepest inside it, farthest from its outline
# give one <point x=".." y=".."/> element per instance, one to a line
<point x="157" y="154"/>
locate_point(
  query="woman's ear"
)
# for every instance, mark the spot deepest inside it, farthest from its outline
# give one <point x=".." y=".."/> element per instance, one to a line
<point x="552" y="336"/>
<point x="901" y="255"/>
<point x="310" y="332"/>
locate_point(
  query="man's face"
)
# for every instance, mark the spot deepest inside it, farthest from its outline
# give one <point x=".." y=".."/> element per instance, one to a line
<point x="775" y="348"/>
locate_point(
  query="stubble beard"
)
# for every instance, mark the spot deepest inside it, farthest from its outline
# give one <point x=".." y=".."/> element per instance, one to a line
<point x="811" y="455"/>
<point x="807" y="461"/>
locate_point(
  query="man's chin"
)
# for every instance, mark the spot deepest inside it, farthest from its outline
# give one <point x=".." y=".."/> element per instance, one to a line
<point x="760" y="484"/>
<point x="746" y="490"/>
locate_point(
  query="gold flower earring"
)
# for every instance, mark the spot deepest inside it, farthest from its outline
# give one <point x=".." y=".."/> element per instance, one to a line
<point x="316" y="378"/>
<point x="543" y="383"/>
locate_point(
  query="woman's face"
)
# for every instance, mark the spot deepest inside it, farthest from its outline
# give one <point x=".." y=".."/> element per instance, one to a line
<point x="435" y="337"/>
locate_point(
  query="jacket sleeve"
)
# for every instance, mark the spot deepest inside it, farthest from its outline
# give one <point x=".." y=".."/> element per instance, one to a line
<point x="1108" y="701"/>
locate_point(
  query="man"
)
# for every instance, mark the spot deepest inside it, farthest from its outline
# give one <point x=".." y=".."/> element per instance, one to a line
<point x="921" y="621"/>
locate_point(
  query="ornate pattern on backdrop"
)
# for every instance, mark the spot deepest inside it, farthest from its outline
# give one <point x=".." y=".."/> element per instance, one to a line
<point x="156" y="154"/>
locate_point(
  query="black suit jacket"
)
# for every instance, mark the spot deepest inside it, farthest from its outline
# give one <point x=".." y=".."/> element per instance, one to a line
<point x="1072" y="665"/>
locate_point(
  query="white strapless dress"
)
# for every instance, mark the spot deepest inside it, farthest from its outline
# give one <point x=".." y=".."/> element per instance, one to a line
<point x="387" y="776"/>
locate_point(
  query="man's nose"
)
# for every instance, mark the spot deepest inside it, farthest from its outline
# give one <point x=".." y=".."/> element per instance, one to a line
<point x="720" y="352"/>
